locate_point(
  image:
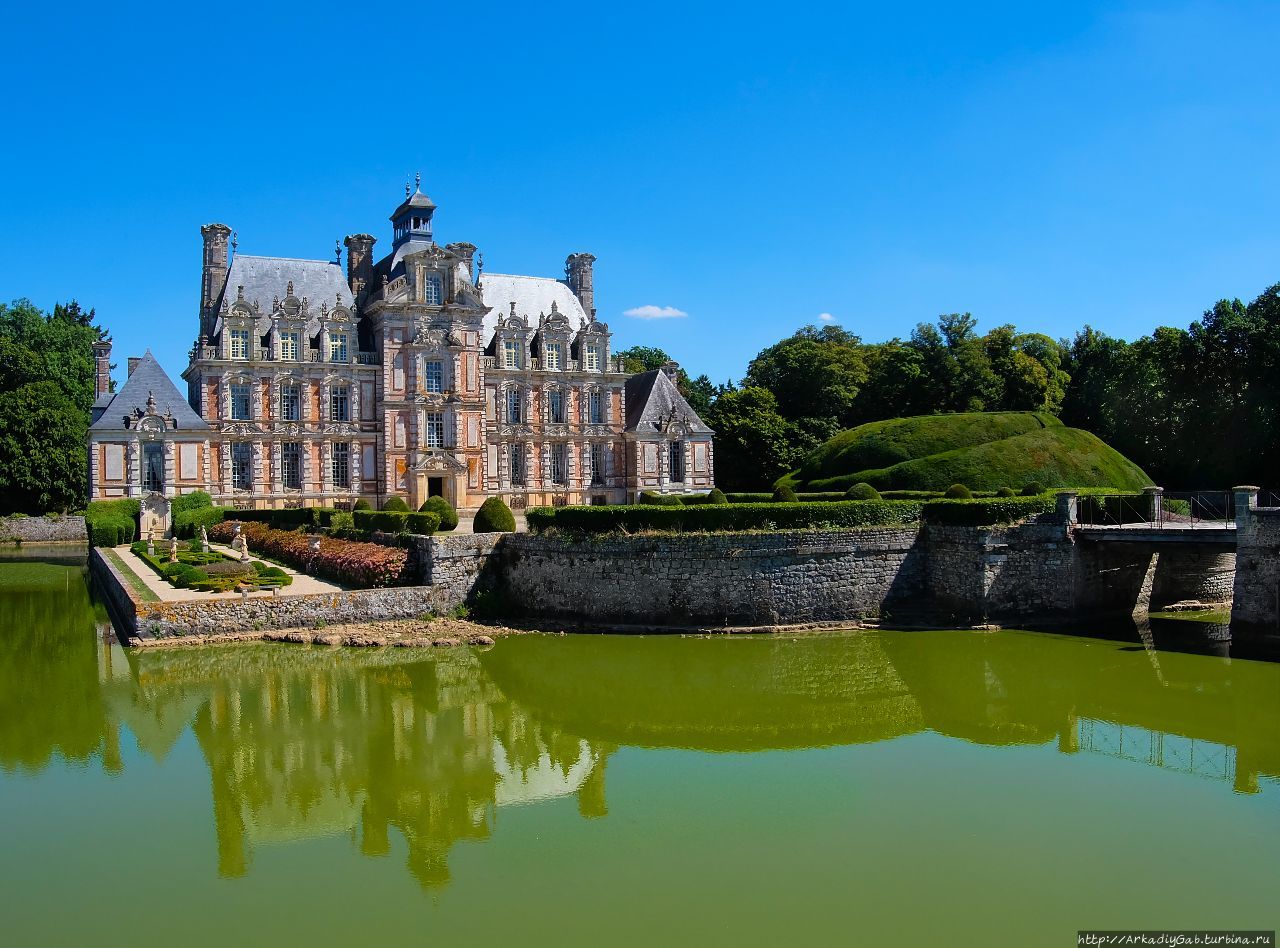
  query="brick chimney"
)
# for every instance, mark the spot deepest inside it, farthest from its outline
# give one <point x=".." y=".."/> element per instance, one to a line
<point x="578" y="274"/>
<point x="359" y="261"/>
<point x="216" y="237"/>
<point x="102" y="368"/>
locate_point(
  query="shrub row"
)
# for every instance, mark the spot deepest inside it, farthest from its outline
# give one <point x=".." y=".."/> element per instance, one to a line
<point x="211" y="572"/>
<point x="112" y="522"/>
<point x="187" y="524"/>
<point x="365" y="565"/>
<point x="392" y="521"/>
<point x="977" y="513"/>
<point x="725" y="517"/>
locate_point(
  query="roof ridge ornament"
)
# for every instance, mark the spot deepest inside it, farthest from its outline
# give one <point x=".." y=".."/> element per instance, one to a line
<point x="337" y="252"/>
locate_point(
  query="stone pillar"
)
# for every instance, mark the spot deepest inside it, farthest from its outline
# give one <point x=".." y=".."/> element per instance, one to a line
<point x="1246" y="498"/>
<point x="170" y="470"/>
<point x="277" y="479"/>
<point x="133" y="461"/>
<point x="326" y="467"/>
<point x="94" y="452"/>
<point x="1153" y="504"/>
<point x="357" y="461"/>
<point x="1067" y="508"/>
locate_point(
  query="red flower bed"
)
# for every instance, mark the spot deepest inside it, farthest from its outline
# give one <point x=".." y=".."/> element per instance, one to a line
<point x="348" y="562"/>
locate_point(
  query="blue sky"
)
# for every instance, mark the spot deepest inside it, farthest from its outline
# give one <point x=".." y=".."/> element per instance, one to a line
<point x="752" y="166"/>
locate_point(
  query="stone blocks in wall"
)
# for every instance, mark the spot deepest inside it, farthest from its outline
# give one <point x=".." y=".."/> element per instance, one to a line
<point x="43" y="530"/>
<point x="1256" y="600"/>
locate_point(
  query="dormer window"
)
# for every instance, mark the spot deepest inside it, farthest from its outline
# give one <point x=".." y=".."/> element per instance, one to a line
<point x="554" y="353"/>
<point x="433" y="289"/>
<point x="290" y="343"/>
<point x="592" y="360"/>
<point x="513" y="354"/>
<point x="338" y="348"/>
<point x="239" y="343"/>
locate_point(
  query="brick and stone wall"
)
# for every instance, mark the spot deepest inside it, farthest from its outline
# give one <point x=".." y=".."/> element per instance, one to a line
<point x="42" y="530"/>
<point x="732" y="579"/>
<point x="1257" y="581"/>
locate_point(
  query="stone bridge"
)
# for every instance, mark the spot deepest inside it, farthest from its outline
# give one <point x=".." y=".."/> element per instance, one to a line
<point x="1157" y="560"/>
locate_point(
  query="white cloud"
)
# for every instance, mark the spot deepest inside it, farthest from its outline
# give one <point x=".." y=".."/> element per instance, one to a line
<point x="655" y="312"/>
<point x="826" y="317"/>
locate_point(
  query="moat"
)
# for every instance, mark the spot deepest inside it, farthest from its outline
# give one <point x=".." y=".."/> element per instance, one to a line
<point x="872" y="787"/>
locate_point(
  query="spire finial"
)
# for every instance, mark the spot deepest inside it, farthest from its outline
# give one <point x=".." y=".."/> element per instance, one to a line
<point x="235" y="241"/>
<point x="417" y="180"/>
<point x="407" y="190"/>
<point x="337" y="251"/>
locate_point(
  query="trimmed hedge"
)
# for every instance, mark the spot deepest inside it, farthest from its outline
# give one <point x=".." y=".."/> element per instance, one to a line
<point x="716" y="496"/>
<point x="979" y="513"/>
<point x="862" y="491"/>
<point x="192" y="501"/>
<point x="494" y="516"/>
<point x="363" y="565"/>
<point x="803" y="496"/>
<point x="395" y="505"/>
<point x="959" y="492"/>
<point x="112" y="522"/>
<point x="661" y="500"/>
<point x="187" y="524"/>
<point x="443" y="510"/>
<point x="785" y="495"/>
<point x="388" y="521"/>
<point x="424" y="522"/>
<point x="361" y="504"/>
<point x="729" y="517"/>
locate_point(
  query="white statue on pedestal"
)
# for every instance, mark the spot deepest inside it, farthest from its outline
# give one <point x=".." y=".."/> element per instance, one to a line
<point x="173" y="550"/>
<point x="204" y="540"/>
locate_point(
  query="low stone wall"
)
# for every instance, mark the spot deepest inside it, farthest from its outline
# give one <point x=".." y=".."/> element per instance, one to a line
<point x="728" y="579"/>
<point x="43" y="530"/>
<point x="457" y="564"/>
<point x="1257" y="583"/>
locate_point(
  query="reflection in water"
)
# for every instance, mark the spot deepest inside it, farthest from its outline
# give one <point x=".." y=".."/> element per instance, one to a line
<point x="302" y="742"/>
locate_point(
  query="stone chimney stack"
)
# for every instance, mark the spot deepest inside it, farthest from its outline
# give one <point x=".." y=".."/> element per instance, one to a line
<point x="133" y="363"/>
<point x="467" y="252"/>
<point x="102" y="368"/>
<point x="216" y="238"/>
<point x="578" y="274"/>
<point x="359" y="261"/>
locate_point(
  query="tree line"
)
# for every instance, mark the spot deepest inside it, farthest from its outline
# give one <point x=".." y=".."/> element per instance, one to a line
<point x="1196" y="407"/>
<point x="47" y="382"/>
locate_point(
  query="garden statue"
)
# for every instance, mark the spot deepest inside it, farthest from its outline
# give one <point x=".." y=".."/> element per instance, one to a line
<point x="173" y="550"/>
<point x="204" y="540"/>
<point x="151" y="542"/>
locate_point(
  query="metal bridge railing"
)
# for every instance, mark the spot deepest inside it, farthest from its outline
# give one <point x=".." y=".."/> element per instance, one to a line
<point x="1173" y="509"/>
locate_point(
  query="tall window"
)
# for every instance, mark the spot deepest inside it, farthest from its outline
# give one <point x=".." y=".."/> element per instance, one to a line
<point x="513" y="406"/>
<point x="595" y="408"/>
<point x="242" y="465"/>
<point x="241" y="407"/>
<point x="153" y="466"/>
<point x="559" y="463"/>
<point x="341" y="464"/>
<point x="433" y="376"/>
<point x="517" y="464"/>
<point x="239" y="343"/>
<point x="433" y="289"/>
<point x="289" y="402"/>
<point x="291" y="465"/>
<point x="339" y="403"/>
<point x="435" y="429"/>
<point x="593" y="359"/>
<point x="597" y="463"/>
<point x="555" y="407"/>
<point x="554" y="356"/>
<point x="289" y="345"/>
<point x="338" y="347"/>
<point x="513" y="354"/>
<point x="677" y="461"/>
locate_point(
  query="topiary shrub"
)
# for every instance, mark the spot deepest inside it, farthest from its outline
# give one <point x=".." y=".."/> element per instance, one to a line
<point x="424" y="522"/>
<point x="1032" y="489"/>
<point x="862" y="491"/>
<point x="784" y="495"/>
<point x="448" y="517"/>
<point x="494" y="516"/>
<point x="387" y="521"/>
<point x="725" y="517"/>
<point x="192" y="501"/>
<point x="660" y="500"/>
<point x="395" y="505"/>
<point x="361" y="504"/>
<point x="1006" y="492"/>
<point x="958" y="492"/>
<point x="717" y="496"/>
<point x="341" y="521"/>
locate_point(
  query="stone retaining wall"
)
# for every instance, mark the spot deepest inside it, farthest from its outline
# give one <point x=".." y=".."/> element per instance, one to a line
<point x="729" y="579"/>
<point x="1257" y="582"/>
<point x="43" y="530"/>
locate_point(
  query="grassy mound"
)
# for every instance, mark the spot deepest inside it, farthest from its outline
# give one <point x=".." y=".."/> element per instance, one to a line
<point x="982" y="450"/>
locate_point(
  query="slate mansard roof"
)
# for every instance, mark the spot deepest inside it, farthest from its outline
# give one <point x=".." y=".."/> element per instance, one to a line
<point x="653" y="401"/>
<point x="533" y="297"/>
<point x="265" y="278"/>
<point x="146" y="380"/>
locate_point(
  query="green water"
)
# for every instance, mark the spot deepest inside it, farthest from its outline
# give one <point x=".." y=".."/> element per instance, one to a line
<point x="877" y="788"/>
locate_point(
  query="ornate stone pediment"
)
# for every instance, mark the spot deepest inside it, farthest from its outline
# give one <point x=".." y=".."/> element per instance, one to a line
<point x="339" y="428"/>
<point x="598" y="431"/>
<point x="515" y="431"/>
<point x="151" y="426"/>
<point x="432" y="399"/>
<point x="241" y="428"/>
<point x="556" y="431"/>
<point x="287" y="428"/>
<point x="439" y="462"/>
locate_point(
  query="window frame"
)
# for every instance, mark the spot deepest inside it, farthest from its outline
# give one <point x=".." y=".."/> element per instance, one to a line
<point x="340" y="464"/>
<point x="291" y="458"/>
<point x="559" y="463"/>
<point x="238" y="340"/>
<point x="338" y="349"/>
<point x="430" y="375"/>
<point x="152" y="451"/>
<point x="241" y="465"/>
<point x="675" y="462"/>
<point x="340" y="396"/>
<point x="290" y="346"/>
<point x="434" y="430"/>
<point x="241" y="398"/>
<point x="288" y="389"/>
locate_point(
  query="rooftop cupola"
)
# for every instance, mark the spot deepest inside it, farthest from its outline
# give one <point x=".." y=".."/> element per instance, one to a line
<point x="412" y="219"/>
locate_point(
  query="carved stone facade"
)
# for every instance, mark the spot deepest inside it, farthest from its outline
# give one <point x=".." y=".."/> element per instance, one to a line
<point x="418" y="374"/>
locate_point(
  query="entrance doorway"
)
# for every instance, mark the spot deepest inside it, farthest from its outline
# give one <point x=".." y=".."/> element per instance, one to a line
<point x="435" y="486"/>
